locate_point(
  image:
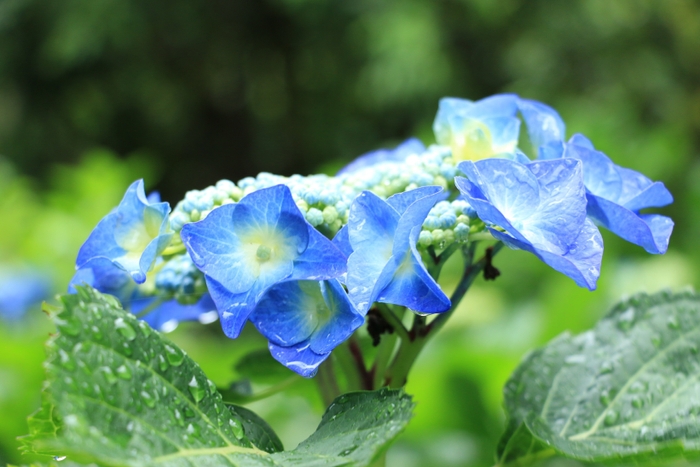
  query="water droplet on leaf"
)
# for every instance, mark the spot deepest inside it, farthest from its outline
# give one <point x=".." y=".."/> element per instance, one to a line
<point x="125" y="329"/>
<point x="124" y="372"/>
<point x="175" y="357"/>
<point x="611" y="417"/>
<point x="196" y="390"/>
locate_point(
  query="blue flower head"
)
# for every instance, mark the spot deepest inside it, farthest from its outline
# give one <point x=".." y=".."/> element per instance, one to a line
<point x="617" y="194"/>
<point x="243" y="249"/>
<point x="538" y="207"/>
<point x="103" y="275"/>
<point x="490" y="127"/>
<point x="132" y="236"/>
<point x="398" y="154"/>
<point x="384" y="264"/>
<point x="20" y="289"/>
<point x="304" y="321"/>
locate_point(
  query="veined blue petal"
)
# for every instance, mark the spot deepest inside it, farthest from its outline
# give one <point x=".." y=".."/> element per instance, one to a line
<point x="218" y="252"/>
<point x="342" y="241"/>
<point x="289" y="312"/>
<point x="131" y="236"/>
<point x="365" y="267"/>
<point x="581" y="262"/>
<point x="651" y="232"/>
<point x="321" y="260"/>
<point x="638" y="192"/>
<point x="414" y="215"/>
<point x="600" y="175"/>
<point x="398" y="154"/>
<point x="511" y="187"/>
<point x="553" y="150"/>
<point x="298" y="358"/>
<point x="401" y="201"/>
<point x="412" y="286"/>
<point x="344" y="319"/>
<point x="233" y="309"/>
<point x="544" y="125"/>
<point x="372" y="222"/>
<point x="101" y="274"/>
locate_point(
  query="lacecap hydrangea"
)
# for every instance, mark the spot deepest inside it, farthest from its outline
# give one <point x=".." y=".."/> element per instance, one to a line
<point x="304" y="258"/>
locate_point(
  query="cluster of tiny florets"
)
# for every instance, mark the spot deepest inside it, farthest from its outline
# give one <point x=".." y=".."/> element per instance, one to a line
<point x="325" y="200"/>
<point x="447" y="222"/>
<point x="179" y="278"/>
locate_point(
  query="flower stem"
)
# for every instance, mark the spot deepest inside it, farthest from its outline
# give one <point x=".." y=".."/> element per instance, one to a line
<point x="381" y="360"/>
<point x="348" y="367"/>
<point x="230" y="397"/>
<point x="327" y="382"/>
<point x="393" y="320"/>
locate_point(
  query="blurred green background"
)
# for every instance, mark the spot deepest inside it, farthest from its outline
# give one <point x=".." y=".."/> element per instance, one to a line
<point x="95" y="94"/>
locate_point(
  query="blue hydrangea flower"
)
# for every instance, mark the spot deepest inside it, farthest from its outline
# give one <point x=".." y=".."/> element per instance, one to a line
<point x="304" y="321"/>
<point x="490" y="127"/>
<point x="385" y="265"/>
<point x="20" y="289"/>
<point x="398" y="154"/>
<point x="540" y="208"/>
<point x="103" y="275"/>
<point x="132" y="236"/>
<point x="243" y="249"/>
<point x="477" y="130"/>
<point x="617" y="194"/>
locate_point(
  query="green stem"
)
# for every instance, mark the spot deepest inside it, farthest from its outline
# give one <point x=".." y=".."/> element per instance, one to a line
<point x="173" y="250"/>
<point x="231" y="397"/>
<point x="156" y="303"/>
<point x="471" y="272"/>
<point x="327" y="382"/>
<point x="348" y="366"/>
<point x="381" y="360"/>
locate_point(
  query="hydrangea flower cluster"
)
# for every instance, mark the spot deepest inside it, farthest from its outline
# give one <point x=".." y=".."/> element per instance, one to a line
<point x="304" y="258"/>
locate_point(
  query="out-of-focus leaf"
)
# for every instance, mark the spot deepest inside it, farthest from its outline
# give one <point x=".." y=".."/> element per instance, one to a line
<point x="627" y="389"/>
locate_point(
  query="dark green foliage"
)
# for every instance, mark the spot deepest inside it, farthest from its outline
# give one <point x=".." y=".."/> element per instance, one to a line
<point x="628" y="389"/>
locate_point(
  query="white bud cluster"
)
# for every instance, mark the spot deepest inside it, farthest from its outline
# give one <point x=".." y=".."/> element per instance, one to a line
<point x="325" y="200"/>
<point x="447" y="222"/>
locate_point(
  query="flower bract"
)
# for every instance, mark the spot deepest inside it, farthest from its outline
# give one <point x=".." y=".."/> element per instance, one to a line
<point x="304" y="321"/>
<point x="385" y="265"/>
<point x="538" y="207"/>
<point x="245" y="248"/>
<point x="132" y="236"/>
<point x="617" y="194"/>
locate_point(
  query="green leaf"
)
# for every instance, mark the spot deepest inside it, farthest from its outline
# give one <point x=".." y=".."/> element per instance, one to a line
<point x="356" y="428"/>
<point x="257" y="429"/>
<point x="626" y="390"/>
<point x="120" y="394"/>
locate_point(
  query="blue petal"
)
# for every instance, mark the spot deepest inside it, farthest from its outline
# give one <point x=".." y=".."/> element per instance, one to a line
<point x="344" y="319"/>
<point x="233" y="309"/>
<point x="103" y="275"/>
<point x="544" y="125"/>
<point x="638" y="192"/>
<point x="553" y="150"/>
<point x="401" y="201"/>
<point x="398" y="154"/>
<point x="298" y="358"/>
<point x="218" y="252"/>
<point x="20" y="290"/>
<point x="651" y="232"/>
<point x="504" y="132"/>
<point x="414" y="215"/>
<point x="600" y="174"/>
<point x="365" y="277"/>
<point x="131" y="236"/>
<point x="172" y="310"/>
<point x="371" y="222"/>
<point x="452" y="113"/>
<point x="412" y="286"/>
<point x="510" y="187"/>
<point x="342" y="241"/>
<point x="581" y="262"/>
<point x="321" y="260"/>
<point x="288" y="312"/>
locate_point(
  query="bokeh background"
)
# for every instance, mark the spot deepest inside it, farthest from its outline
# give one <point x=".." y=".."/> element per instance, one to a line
<point x="95" y="94"/>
